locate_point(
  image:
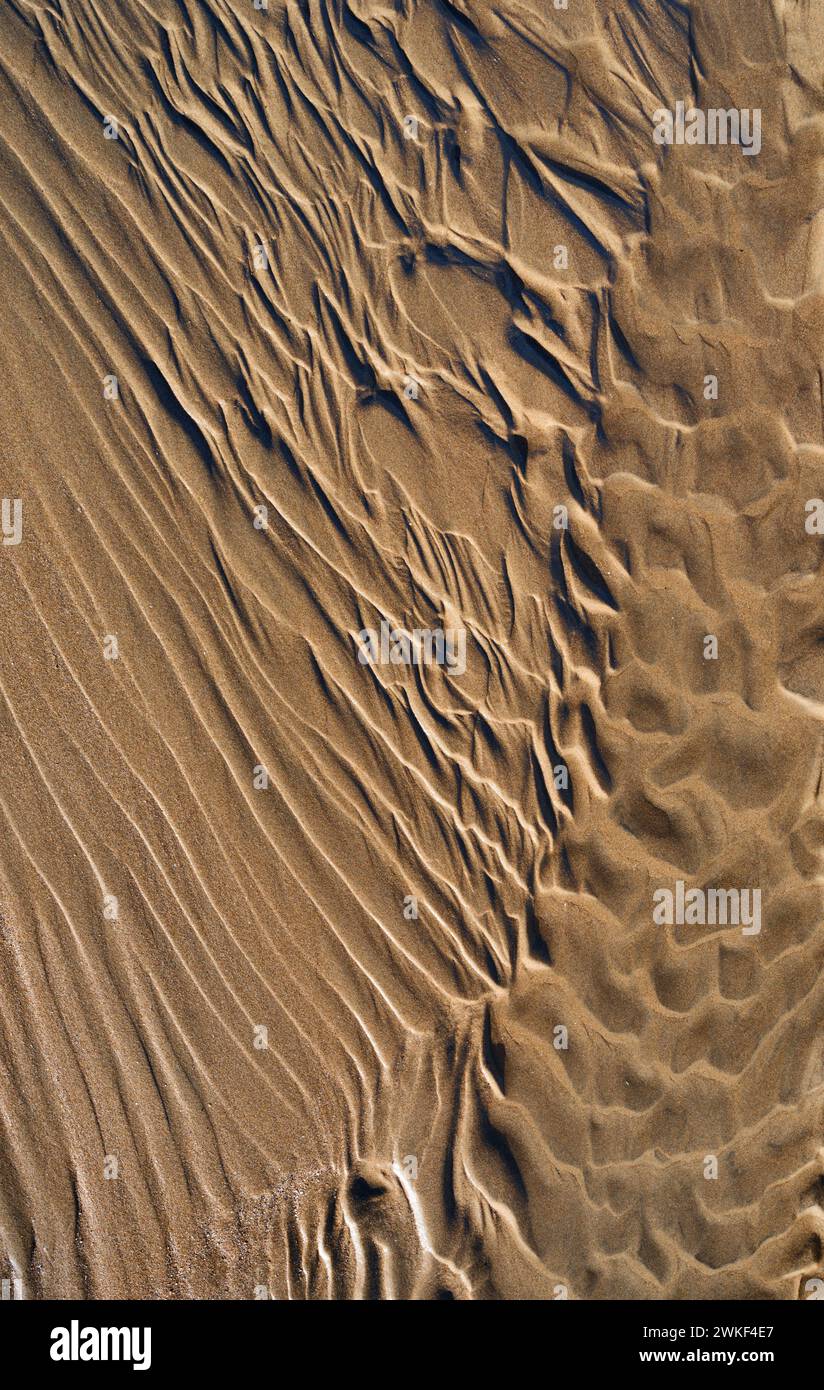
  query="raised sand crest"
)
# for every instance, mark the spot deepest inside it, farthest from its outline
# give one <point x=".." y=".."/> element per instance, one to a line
<point x="329" y="977"/>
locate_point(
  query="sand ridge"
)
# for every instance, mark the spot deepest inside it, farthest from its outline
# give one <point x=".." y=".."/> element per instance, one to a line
<point x="396" y="314"/>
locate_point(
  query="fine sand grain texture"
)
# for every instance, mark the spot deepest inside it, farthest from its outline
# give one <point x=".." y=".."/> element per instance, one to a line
<point x="330" y="972"/>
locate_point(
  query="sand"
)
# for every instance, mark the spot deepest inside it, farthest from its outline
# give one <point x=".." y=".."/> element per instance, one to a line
<point x="324" y="975"/>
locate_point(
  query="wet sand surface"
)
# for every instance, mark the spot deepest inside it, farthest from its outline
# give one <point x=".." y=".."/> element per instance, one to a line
<point x="339" y="977"/>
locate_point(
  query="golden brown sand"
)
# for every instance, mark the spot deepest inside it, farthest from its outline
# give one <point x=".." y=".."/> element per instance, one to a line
<point x="411" y="275"/>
